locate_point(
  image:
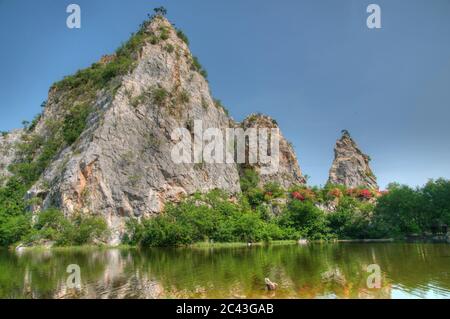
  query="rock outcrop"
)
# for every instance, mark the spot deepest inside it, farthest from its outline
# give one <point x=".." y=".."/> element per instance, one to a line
<point x="351" y="166"/>
<point x="121" y="165"/>
<point x="8" y="152"/>
<point x="287" y="171"/>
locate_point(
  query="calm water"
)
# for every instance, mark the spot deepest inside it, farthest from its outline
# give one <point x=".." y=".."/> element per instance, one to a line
<point x="311" y="271"/>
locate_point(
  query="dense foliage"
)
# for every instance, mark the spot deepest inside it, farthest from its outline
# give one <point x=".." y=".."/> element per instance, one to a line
<point x="52" y="225"/>
<point x="210" y="217"/>
<point x="404" y="211"/>
<point x="332" y="212"/>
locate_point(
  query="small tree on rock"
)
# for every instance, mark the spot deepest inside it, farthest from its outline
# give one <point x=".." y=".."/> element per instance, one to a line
<point x="160" y="11"/>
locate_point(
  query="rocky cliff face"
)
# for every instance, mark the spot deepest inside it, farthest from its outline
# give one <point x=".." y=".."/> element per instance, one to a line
<point x="288" y="172"/>
<point x="8" y="152"/>
<point x="121" y="165"/>
<point x="351" y="166"/>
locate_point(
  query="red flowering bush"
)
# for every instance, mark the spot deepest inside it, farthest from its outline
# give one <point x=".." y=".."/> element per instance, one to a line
<point x="335" y="192"/>
<point x="298" y="196"/>
<point x="303" y="194"/>
<point x="365" y="193"/>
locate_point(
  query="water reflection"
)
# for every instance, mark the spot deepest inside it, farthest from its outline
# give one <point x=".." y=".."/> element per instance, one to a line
<point x="308" y="271"/>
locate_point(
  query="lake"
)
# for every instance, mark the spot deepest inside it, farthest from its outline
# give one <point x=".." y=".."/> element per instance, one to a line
<point x="301" y="271"/>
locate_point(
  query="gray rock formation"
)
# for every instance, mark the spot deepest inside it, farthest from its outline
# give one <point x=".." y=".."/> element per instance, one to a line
<point x="351" y="166"/>
<point x="121" y="165"/>
<point x="8" y="152"/>
<point x="288" y="172"/>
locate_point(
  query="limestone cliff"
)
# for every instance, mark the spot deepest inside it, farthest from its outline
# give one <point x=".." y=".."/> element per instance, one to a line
<point x="8" y="152"/>
<point x="351" y="166"/>
<point x="120" y="164"/>
<point x="288" y="172"/>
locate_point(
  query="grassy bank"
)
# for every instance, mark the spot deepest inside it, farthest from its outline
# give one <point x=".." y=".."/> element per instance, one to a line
<point x="242" y="244"/>
<point x="199" y="245"/>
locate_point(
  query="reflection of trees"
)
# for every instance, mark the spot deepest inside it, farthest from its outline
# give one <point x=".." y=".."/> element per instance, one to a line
<point x="38" y="274"/>
<point x="311" y="271"/>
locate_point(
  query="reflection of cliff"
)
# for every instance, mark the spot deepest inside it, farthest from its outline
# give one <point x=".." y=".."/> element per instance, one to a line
<point x="114" y="282"/>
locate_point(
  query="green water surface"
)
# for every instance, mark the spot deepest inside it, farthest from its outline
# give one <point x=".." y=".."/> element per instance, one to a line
<point x="301" y="271"/>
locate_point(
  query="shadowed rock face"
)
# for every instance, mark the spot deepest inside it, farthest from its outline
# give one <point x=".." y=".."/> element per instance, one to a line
<point x="351" y="166"/>
<point x="121" y="165"/>
<point x="288" y="171"/>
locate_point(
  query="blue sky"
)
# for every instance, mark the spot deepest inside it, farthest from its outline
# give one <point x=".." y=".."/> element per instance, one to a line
<point x="313" y="65"/>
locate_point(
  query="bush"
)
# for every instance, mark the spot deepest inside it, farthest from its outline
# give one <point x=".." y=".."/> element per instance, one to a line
<point x="13" y="228"/>
<point x="306" y="218"/>
<point x="198" y="67"/>
<point x="352" y="219"/>
<point x="182" y="36"/>
<point x="273" y="190"/>
<point x="249" y="179"/>
<point x="75" y="122"/>
<point x="169" y="48"/>
<point x="164" y="33"/>
<point x="219" y="105"/>
<point x="159" y="95"/>
<point x="78" y="230"/>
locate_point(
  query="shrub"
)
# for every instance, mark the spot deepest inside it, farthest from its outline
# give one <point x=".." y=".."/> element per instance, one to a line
<point x="164" y="33"/>
<point x="296" y="195"/>
<point x="306" y="218"/>
<point x="273" y="190"/>
<point x="13" y="228"/>
<point x="169" y="48"/>
<point x="352" y="219"/>
<point x="335" y="193"/>
<point x="302" y="193"/>
<point x="161" y="11"/>
<point x="249" y="179"/>
<point x="365" y="194"/>
<point x="198" y="67"/>
<point x="77" y="230"/>
<point x="182" y="36"/>
<point x="184" y="97"/>
<point x="154" y="39"/>
<point x="159" y="95"/>
<point x="75" y="122"/>
<point x="219" y="105"/>
<point x="255" y="196"/>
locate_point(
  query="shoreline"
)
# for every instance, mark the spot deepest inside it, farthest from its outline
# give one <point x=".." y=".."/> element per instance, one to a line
<point x="209" y="245"/>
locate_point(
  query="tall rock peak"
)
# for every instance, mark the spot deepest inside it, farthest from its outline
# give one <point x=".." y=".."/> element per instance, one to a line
<point x="351" y="166"/>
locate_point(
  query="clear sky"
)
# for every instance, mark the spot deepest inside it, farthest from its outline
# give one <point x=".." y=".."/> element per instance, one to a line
<point x="313" y="65"/>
